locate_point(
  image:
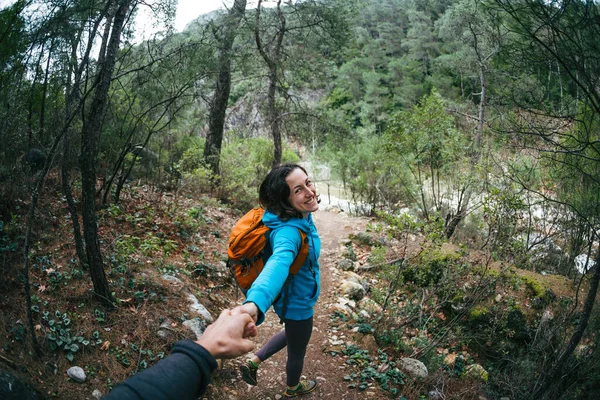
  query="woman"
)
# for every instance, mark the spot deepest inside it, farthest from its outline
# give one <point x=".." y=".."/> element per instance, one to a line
<point x="289" y="197"/>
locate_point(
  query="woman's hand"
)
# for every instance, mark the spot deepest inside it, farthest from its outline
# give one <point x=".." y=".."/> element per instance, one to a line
<point x="249" y="308"/>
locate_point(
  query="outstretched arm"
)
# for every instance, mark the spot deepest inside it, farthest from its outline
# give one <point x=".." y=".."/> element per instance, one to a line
<point x="186" y="373"/>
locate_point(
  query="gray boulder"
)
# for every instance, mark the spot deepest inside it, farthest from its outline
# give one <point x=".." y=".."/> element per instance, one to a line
<point x="196" y="326"/>
<point x="345" y="265"/>
<point x="352" y="289"/>
<point x="583" y="263"/>
<point x="198" y="308"/>
<point x="413" y="368"/>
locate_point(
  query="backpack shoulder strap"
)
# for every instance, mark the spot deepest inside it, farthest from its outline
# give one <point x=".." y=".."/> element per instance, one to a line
<point x="302" y="254"/>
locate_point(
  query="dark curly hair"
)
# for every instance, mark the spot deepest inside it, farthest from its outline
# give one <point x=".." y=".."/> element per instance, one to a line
<point x="274" y="192"/>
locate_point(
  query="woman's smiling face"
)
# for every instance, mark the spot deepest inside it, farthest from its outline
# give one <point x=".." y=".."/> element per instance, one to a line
<point x="303" y="194"/>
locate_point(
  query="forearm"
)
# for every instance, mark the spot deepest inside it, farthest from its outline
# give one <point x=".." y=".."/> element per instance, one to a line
<point x="185" y="374"/>
<point x="269" y="283"/>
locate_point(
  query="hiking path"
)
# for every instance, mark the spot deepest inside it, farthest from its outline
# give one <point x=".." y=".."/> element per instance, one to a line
<point x="328" y="370"/>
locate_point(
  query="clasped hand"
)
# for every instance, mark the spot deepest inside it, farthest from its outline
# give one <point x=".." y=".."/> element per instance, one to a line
<point x="227" y="337"/>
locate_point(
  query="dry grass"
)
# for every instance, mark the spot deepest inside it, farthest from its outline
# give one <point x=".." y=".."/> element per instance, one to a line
<point x="147" y="236"/>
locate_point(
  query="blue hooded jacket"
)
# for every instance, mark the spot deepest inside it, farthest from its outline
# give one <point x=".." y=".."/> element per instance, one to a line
<point x="305" y="286"/>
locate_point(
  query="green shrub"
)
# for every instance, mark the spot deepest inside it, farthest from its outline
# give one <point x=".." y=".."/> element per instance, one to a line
<point x="431" y="267"/>
<point x="60" y="336"/>
<point x="243" y="165"/>
<point x="349" y="253"/>
<point x="478" y="314"/>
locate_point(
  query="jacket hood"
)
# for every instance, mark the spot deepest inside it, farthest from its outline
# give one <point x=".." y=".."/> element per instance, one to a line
<point x="273" y="222"/>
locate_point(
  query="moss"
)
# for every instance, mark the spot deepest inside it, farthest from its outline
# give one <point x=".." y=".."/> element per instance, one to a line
<point x="476" y="371"/>
<point x="432" y="265"/>
<point x="537" y="288"/>
<point x="478" y="314"/>
<point x="459" y="296"/>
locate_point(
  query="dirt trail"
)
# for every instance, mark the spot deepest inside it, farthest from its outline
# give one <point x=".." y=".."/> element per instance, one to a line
<point x="329" y="371"/>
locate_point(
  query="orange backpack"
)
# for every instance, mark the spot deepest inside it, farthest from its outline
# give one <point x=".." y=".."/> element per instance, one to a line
<point x="249" y="249"/>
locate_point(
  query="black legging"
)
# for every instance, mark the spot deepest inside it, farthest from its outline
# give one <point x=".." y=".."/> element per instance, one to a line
<point x="296" y="336"/>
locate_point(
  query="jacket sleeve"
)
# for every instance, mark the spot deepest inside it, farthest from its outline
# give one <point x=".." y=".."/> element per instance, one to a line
<point x="185" y="374"/>
<point x="286" y="243"/>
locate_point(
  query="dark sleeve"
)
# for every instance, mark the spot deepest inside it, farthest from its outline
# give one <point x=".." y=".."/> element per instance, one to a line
<point x="185" y="374"/>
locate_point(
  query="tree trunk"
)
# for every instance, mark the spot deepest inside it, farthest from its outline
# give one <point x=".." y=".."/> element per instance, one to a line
<point x="89" y="153"/>
<point x="272" y="62"/>
<point x="73" y="95"/>
<point x="218" y="105"/>
<point x="118" y="167"/>
<point x="461" y="212"/>
<point x="66" y="177"/>
<point x="274" y="118"/>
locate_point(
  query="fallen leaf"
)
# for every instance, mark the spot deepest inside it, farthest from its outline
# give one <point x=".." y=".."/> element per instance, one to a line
<point x="450" y="359"/>
<point x="105" y="345"/>
<point x="42" y="288"/>
<point x="38" y="327"/>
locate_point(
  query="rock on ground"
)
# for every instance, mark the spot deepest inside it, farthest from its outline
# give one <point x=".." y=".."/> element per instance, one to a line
<point x="77" y="374"/>
<point x="413" y="368"/>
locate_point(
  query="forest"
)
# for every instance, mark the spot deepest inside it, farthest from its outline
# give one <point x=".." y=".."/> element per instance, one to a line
<point x="466" y="132"/>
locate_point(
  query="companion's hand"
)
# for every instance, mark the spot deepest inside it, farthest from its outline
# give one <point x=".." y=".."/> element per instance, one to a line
<point x="248" y="308"/>
<point x="227" y="336"/>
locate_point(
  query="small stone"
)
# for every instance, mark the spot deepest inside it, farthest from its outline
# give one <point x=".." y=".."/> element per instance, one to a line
<point x="346" y="302"/>
<point x="199" y="308"/>
<point x="77" y="374"/>
<point x="354" y="277"/>
<point x="164" y="329"/>
<point x="345" y="265"/>
<point x="196" y="326"/>
<point x="162" y="333"/>
<point x="343" y="309"/>
<point x="96" y="394"/>
<point x="414" y="368"/>
<point x="278" y="397"/>
<point x="498" y="298"/>
<point x="369" y="306"/>
<point x="352" y="289"/>
<point x="435" y="395"/>
<point x="173" y="280"/>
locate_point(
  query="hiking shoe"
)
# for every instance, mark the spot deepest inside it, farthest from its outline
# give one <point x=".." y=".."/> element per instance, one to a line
<point x="248" y="371"/>
<point x="303" y="387"/>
